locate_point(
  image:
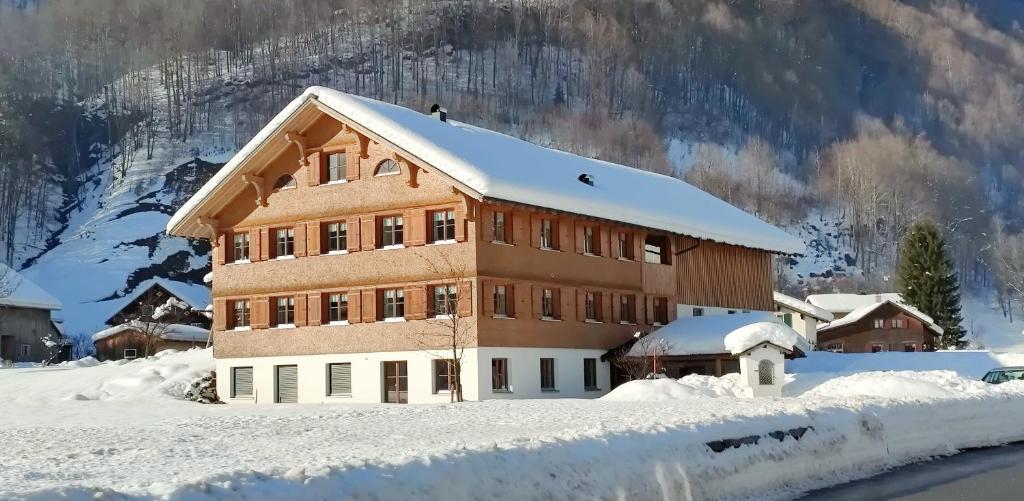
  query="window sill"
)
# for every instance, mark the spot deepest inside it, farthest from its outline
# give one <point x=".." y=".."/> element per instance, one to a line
<point x="657" y="324"/>
<point x="444" y="242"/>
<point x="337" y="253"/>
<point x="592" y="321"/>
<point x="549" y="249"/>
<point x="283" y="326"/>
<point x="244" y="397"/>
<point x="340" y="396"/>
<point x="284" y="258"/>
<point x="339" y="181"/>
<point x="242" y="329"/>
<point x="503" y="317"/>
<point x="550" y="319"/>
<point x="591" y="388"/>
<point x="240" y="261"/>
<point x="627" y="323"/>
<point x="392" y="247"/>
<point x="392" y="320"/>
<point x="591" y="254"/>
<point x="502" y="242"/>
<point x="624" y="259"/>
<point x="338" y="322"/>
<point x="498" y="390"/>
<point x="548" y="390"/>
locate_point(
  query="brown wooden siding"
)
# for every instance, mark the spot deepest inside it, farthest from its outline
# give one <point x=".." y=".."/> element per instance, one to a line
<point x="714" y="274"/>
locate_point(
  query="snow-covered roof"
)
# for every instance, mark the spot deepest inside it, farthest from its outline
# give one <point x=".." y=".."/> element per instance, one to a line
<point x="489" y="165"/>
<point x="172" y="332"/>
<point x="845" y="303"/>
<point x="18" y="291"/>
<point x="865" y="310"/>
<point x="196" y="296"/>
<point x="750" y="336"/>
<point x="804" y="307"/>
<point x="703" y="335"/>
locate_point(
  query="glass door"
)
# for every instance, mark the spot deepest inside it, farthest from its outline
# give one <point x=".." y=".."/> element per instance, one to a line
<point x="396" y="382"/>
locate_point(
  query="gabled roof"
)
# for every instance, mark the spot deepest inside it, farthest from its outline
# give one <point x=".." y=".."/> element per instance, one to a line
<point x="804" y="307"/>
<point x="779" y="335"/>
<point x="20" y="292"/>
<point x="845" y="303"/>
<point x="489" y="165"/>
<point x="195" y="296"/>
<point x="704" y="335"/>
<point x="862" y="312"/>
<point x="172" y="332"/>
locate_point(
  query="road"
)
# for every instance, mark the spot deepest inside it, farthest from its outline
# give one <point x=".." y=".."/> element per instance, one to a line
<point x="994" y="473"/>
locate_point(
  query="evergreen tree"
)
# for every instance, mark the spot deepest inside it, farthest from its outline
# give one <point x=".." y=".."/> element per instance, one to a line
<point x="928" y="282"/>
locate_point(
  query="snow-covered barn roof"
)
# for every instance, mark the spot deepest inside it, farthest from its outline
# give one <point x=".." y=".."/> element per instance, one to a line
<point x="489" y="165"/>
<point x="703" y="335"/>
<point x="20" y="292"/>
<point x="172" y="332"/>
<point x="803" y="307"/>
<point x="865" y="310"/>
<point x="845" y="303"/>
<point x="196" y="296"/>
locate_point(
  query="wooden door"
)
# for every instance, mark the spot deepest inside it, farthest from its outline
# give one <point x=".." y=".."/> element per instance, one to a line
<point x="396" y="382"/>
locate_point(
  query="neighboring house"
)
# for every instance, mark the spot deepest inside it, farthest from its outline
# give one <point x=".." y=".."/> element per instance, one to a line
<point x="347" y="226"/>
<point x="885" y="326"/>
<point x="840" y="305"/>
<point x="28" y="332"/>
<point x="159" y="315"/>
<point x="802" y="316"/>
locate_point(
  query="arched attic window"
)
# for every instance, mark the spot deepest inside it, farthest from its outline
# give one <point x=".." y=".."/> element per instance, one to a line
<point x="284" y="182"/>
<point x="766" y="373"/>
<point x="386" y="168"/>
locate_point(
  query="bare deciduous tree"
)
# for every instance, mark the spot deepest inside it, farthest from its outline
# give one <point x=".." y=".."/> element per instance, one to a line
<point x="449" y="332"/>
<point x="154" y="318"/>
<point x="638" y="359"/>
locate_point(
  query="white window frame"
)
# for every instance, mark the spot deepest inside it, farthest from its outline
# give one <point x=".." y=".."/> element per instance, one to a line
<point x="134" y="354"/>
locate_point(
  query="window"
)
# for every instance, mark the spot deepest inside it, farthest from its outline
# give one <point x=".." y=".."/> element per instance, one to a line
<point x="241" y="246"/>
<point x="443" y="225"/>
<point x="875" y="348"/>
<point x="546" y="234"/>
<point x="335" y="167"/>
<point x="147" y="310"/>
<point x="660" y="312"/>
<point x="591" y="307"/>
<point x="339" y="380"/>
<point x="498" y="227"/>
<point x="879" y="323"/>
<point x="909" y="347"/>
<point x="500" y="301"/>
<point x="698" y="312"/>
<point x="394" y="304"/>
<point x="241" y="382"/>
<point x="130" y="353"/>
<point x="284" y="182"/>
<point x="391" y="231"/>
<point x="625" y="245"/>
<point x="337" y="237"/>
<point x="656" y="249"/>
<point x="445" y="300"/>
<point x="337" y="307"/>
<point x="240" y="308"/>
<point x="25" y="350"/>
<point x="547" y="303"/>
<point x="627" y="309"/>
<point x="897" y="323"/>
<point x="387" y="168"/>
<point x="787" y="318"/>
<point x="499" y="374"/>
<point x="285" y="242"/>
<point x="732" y="312"/>
<point x="835" y="347"/>
<point x="765" y="373"/>
<point x="547" y="374"/>
<point x="285" y="313"/>
<point x="590" y="374"/>
<point x="444" y="375"/>
<point x="589" y="244"/>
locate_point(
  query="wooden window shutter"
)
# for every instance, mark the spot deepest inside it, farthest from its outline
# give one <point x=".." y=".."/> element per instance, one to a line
<point x="510" y="300"/>
<point x="616" y="300"/>
<point x="565" y="240"/>
<point x="579" y="238"/>
<point x="255" y="245"/>
<point x="368" y="233"/>
<point x="638" y="308"/>
<point x="300" y="310"/>
<point x="220" y="252"/>
<point x="604" y="314"/>
<point x="260" y="318"/>
<point x="649" y="309"/>
<point x="538" y="292"/>
<point x="613" y="244"/>
<point x="603" y="236"/>
<point x="488" y="299"/>
<point x="315" y="168"/>
<point x="485" y="221"/>
<point x="220" y="314"/>
<point x="300" y="240"/>
<point x="415" y="227"/>
<point x="313" y="238"/>
<point x="314" y="311"/>
<point x="460" y="223"/>
<point x="535" y="228"/>
<point x="465" y="298"/>
<point x="353" y="228"/>
<point x="638" y="245"/>
<point x="672" y="313"/>
<point x="351" y="164"/>
<point x="581" y="305"/>
<point x="264" y="244"/>
<point x="421" y="300"/>
<point x="411" y="306"/>
<point x="523" y="302"/>
<point x="369" y="305"/>
<point x="566" y="299"/>
<point x="520" y="227"/>
<point x="354" y="302"/>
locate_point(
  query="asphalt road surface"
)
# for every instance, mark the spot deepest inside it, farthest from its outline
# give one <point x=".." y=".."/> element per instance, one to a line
<point x="995" y="473"/>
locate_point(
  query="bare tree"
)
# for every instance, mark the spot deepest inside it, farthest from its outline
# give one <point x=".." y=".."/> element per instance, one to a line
<point x="449" y="332"/>
<point x="154" y="318"/>
<point x="639" y="360"/>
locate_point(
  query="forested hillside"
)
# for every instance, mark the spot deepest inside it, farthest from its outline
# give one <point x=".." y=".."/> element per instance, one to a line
<point x="843" y="120"/>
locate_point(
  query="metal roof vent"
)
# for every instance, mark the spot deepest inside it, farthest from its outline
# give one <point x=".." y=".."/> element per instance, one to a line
<point x="586" y="179"/>
<point x="438" y="112"/>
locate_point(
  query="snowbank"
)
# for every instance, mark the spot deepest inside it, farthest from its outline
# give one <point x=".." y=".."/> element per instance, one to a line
<point x="749" y="336"/>
<point x="654" y="390"/>
<point x="968" y="364"/>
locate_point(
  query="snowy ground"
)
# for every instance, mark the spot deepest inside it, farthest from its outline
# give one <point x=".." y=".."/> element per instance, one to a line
<point x="82" y="430"/>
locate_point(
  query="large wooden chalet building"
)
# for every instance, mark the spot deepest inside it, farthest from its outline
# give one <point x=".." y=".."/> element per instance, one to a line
<point x="347" y="226"/>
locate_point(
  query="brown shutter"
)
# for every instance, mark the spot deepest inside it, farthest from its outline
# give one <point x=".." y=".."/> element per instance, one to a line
<point x="460" y="223"/>
<point x="604" y="314"/>
<point x="616" y="313"/>
<point x="510" y="300"/>
<point x="523" y="301"/>
<point x="300" y="240"/>
<point x="488" y="299"/>
<point x="638" y="245"/>
<point x="672" y="313"/>
<point x="465" y="299"/>
<point x="220" y="314"/>
<point x="369" y="305"/>
<point x="354" y="312"/>
<point x="520" y="227"/>
<point x="649" y="309"/>
<point x="316" y="166"/>
<point x="613" y="244"/>
<point x="368" y="233"/>
<point x="566" y="299"/>
<point x="485" y="218"/>
<point x="300" y="310"/>
<point x="422" y="300"/>
<point x="264" y="244"/>
<point x="638" y="308"/>
<point x="313" y="238"/>
<point x="538" y="293"/>
<point x="579" y="237"/>
<point x="565" y="240"/>
<point x="351" y="164"/>
<point x="535" y="220"/>
<point x="601" y="234"/>
<point x="314" y="311"/>
<point x="260" y="318"/>
<point x="220" y="251"/>
<point x="353" y="227"/>
<point x="415" y="227"/>
<point x="411" y="303"/>
<point x="581" y="305"/>
<point x="254" y="245"/>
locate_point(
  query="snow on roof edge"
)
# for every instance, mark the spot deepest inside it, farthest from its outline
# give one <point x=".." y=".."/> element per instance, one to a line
<point x="802" y="306"/>
<point x="859" y="313"/>
<point x="26" y="293"/>
<point x="173" y="332"/>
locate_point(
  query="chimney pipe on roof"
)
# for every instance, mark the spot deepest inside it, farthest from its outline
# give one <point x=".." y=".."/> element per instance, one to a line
<point x="438" y="112"/>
